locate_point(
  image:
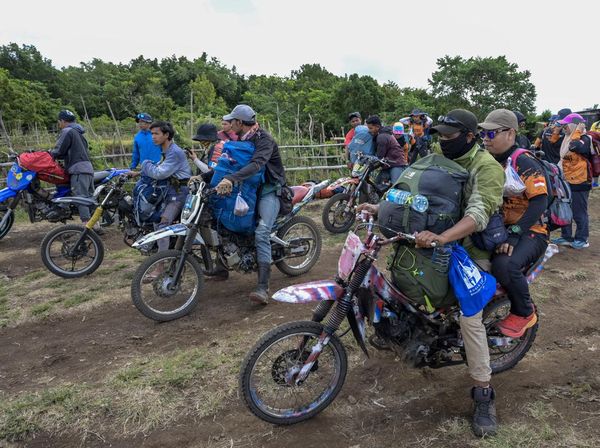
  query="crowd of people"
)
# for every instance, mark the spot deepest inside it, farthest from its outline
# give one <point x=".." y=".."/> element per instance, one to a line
<point x="484" y="149"/>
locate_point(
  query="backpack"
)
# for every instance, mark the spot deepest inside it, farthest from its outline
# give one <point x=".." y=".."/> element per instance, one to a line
<point x="438" y="179"/>
<point x="235" y="156"/>
<point x="361" y="142"/>
<point x="47" y="169"/>
<point x="558" y="213"/>
<point x="149" y="199"/>
<point x="595" y="156"/>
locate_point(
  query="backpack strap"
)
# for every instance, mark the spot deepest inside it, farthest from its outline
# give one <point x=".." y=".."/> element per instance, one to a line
<point x="515" y="155"/>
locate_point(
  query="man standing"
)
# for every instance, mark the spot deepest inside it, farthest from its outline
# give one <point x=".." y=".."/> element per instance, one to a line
<point x="266" y="154"/>
<point x="143" y="146"/>
<point x="521" y="139"/>
<point x="72" y="147"/>
<point x="354" y="118"/>
<point x="387" y="147"/>
<point x="175" y="167"/>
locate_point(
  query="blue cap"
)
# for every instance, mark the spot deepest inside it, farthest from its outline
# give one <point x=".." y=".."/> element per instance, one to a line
<point x="143" y="117"/>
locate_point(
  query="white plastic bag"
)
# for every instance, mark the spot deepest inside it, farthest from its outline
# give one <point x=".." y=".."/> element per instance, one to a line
<point x="241" y="206"/>
<point x="513" y="185"/>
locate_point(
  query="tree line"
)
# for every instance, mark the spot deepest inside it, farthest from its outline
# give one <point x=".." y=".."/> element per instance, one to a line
<point x="309" y="102"/>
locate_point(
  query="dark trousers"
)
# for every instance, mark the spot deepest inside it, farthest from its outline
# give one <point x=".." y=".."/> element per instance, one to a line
<point x="579" y="205"/>
<point x="83" y="185"/>
<point x="509" y="271"/>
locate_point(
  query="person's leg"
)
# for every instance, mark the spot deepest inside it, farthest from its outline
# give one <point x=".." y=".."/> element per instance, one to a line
<point x="580" y="215"/>
<point x="395" y="173"/>
<point x="80" y="187"/>
<point x="169" y="215"/>
<point x="268" y="209"/>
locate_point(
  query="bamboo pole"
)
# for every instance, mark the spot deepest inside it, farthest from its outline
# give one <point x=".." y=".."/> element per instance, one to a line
<point x="6" y="136"/>
<point x="192" y="115"/>
<point x="116" y="127"/>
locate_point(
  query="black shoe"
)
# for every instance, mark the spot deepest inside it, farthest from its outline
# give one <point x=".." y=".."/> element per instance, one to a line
<point x="484" y="421"/>
<point x="220" y="275"/>
<point x="261" y="294"/>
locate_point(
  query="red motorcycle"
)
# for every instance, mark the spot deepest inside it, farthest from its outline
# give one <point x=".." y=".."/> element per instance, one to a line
<point x="297" y="369"/>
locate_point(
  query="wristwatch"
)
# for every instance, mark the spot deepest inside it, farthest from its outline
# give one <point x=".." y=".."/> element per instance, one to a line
<point x="515" y="229"/>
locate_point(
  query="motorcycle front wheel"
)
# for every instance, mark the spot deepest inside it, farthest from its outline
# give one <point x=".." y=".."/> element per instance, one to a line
<point x="9" y="221"/>
<point x="156" y="294"/>
<point x="304" y="238"/>
<point x="336" y="219"/>
<point x="62" y="258"/>
<point x="268" y="376"/>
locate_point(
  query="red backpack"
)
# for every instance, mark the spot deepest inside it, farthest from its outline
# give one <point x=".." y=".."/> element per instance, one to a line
<point x="45" y="166"/>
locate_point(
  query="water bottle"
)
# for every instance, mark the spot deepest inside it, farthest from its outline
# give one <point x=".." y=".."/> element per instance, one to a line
<point x="420" y="203"/>
<point x="441" y="258"/>
<point x="399" y="197"/>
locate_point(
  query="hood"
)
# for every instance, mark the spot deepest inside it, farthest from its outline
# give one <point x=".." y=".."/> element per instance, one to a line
<point x="77" y="127"/>
<point x="386" y="130"/>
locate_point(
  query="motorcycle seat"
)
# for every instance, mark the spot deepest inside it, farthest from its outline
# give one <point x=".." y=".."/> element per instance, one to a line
<point x="101" y="175"/>
<point x="300" y="193"/>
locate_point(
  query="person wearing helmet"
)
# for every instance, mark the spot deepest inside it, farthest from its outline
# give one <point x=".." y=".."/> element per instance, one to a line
<point x="143" y="146"/>
<point x="354" y="118"/>
<point x="401" y="137"/>
<point x="419" y="123"/>
<point x="521" y="140"/>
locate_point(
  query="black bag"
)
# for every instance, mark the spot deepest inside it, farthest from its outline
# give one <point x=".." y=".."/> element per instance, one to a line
<point x="286" y="195"/>
<point x="494" y="234"/>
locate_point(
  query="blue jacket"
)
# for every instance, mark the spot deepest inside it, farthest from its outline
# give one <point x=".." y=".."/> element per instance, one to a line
<point x="144" y="149"/>
<point x="175" y="164"/>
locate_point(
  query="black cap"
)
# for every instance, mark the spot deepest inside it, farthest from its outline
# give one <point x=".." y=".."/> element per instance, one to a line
<point x="417" y="113"/>
<point x="206" y="132"/>
<point x="563" y="113"/>
<point x="456" y="120"/>
<point x="66" y="115"/>
<point x="519" y="115"/>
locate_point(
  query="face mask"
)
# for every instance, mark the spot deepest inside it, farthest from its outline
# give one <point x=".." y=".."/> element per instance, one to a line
<point x="456" y="147"/>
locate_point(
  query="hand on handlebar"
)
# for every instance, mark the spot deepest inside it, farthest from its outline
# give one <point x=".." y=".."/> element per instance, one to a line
<point x="427" y="239"/>
<point x="371" y="209"/>
<point x="133" y="173"/>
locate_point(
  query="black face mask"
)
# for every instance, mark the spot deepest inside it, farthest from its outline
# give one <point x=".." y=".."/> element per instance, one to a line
<point x="456" y="147"/>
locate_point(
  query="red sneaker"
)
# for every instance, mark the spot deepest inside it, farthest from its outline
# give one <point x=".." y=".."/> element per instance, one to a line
<point x="515" y="326"/>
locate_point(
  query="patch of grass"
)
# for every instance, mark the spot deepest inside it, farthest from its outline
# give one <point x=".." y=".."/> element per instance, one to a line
<point x="77" y="299"/>
<point x="35" y="275"/>
<point x="43" y="309"/>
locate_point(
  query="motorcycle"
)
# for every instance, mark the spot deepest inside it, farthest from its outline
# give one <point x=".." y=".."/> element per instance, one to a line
<point x="296" y="370"/>
<point x="340" y="210"/>
<point x="168" y="285"/>
<point x="40" y="204"/>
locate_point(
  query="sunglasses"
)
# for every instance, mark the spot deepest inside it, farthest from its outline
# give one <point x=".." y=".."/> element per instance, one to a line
<point x="491" y="134"/>
<point x="445" y="119"/>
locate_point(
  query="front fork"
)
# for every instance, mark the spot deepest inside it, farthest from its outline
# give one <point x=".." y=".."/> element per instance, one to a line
<point x="10" y="210"/>
<point x="186" y="250"/>
<point x="89" y="226"/>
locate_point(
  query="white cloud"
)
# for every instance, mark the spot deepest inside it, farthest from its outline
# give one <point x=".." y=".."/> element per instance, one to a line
<point x="392" y="40"/>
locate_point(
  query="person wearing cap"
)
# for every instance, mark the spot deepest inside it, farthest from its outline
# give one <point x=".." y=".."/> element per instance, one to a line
<point x="143" y="146"/>
<point x="524" y="219"/>
<point x="419" y="123"/>
<point x="522" y="140"/>
<point x="266" y="154"/>
<point x="72" y="147"/>
<point x="206" y="135"/>
<point x="551" y="137"/>
<point x="401" y="137"/>
<point x="575" y="154"/>
<point x="386" y="147"/>
<point x="354" y="118"/>
<point x="482" y="196"/>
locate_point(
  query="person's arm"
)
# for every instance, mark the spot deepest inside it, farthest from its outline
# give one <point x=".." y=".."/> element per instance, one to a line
<point x="62" y="144"/>
<point x="581" y="146"/>
<point x="262" y="154"/>
<point x="382" y="145"/>
<point x="161" y="171"/>
<point x="203" y="167"/>
<point x="135" y="155"/>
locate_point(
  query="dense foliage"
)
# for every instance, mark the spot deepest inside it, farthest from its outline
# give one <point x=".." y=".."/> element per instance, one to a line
<point x="311" y="101"/>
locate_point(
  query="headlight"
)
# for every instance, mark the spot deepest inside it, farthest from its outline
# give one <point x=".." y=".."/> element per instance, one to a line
<point x="188" y="207"/>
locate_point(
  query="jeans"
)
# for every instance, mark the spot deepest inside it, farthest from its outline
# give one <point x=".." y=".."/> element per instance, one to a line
<point x="509" y="271"/>
<point x="580" y="216"/>
<point x="83" y="185"/>
<point x="268" y="210"/>
<point x="175" y="200"/>
<point x="391" y="173"/>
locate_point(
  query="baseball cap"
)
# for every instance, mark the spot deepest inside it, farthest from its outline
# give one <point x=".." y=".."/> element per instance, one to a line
<point x="456" y="120"/>
<point x="352" y="115"/>
<point x="146" y="118"/>
<point x="241" y="112"/>
<point x="500" y="119"/>
<point x="206" y="132"/>
<point x="564" y="112"/>
<point x="66" y="115"/>
<point x="572" y="118"/>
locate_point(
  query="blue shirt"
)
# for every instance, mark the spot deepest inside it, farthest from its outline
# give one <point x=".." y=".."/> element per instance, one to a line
<point x="175" y="164"/>
<point x="144" y="149"/>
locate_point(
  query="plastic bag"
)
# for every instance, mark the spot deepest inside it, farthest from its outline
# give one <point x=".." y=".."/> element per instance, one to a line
<point x="513" y="185"/>
<point x="241" y="206"/>
<point x="473" y="288"/>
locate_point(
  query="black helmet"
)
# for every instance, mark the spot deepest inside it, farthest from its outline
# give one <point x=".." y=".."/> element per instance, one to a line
<point x="206" y="132"/>
<point x="146" y="118"/>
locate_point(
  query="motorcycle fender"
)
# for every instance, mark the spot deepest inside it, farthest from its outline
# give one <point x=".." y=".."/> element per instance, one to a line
<point x="357" y="324"/>
<point x="7" y="193"/>
<point x="310" y="292"/>
<point x="165" y="232"/>
<point x="76" y="200"/>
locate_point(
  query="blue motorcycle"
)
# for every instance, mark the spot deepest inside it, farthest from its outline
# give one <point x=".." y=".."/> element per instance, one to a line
<point x="42" y="205"/>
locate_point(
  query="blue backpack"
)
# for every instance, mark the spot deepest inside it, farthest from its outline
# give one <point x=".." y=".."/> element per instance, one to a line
<point x="235" y="156"/>
<point x="149" y="199"/>
<point x="361" y="142"/>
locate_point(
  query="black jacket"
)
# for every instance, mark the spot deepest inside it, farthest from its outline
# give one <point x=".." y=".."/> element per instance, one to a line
<point x="266" y="154"/>
<point x="72" y="147"/>
<point x="386" y="146"/>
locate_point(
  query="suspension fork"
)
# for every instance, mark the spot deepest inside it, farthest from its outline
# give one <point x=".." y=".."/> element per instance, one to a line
<point x="10" y="209"/>
<point x="186" y="250"/>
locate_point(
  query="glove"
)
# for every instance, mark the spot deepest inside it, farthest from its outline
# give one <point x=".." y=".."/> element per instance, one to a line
<point x="224" y="187"/>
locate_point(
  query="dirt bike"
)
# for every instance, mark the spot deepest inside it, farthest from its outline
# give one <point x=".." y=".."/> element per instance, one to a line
<point x="41" y="205"/>
<point x="169" y="284"/>
<point x="340" y="210"/>
<point x="296" y="370"/>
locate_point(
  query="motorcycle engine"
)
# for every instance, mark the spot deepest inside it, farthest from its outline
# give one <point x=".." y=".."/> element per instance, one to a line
<point x="242" y="259"/>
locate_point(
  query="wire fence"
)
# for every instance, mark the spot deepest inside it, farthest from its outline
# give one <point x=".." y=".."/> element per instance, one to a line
<point x="301" y="162"/>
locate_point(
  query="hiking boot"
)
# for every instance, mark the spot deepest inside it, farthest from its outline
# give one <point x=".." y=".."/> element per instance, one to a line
<point x="484" y="421"/>
<point x="220" y="273"/>
<point x="561" y="241"/>
<point x="515" y="326"/>
<point x="580" y="244"/>
<point x="261" y="294"/>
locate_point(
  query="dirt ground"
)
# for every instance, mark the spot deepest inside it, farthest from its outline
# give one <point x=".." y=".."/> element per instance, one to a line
<point x="80" y="366"/>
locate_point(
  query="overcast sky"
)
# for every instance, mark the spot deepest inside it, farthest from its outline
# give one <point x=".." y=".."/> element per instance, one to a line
<point x="389" y="40"/>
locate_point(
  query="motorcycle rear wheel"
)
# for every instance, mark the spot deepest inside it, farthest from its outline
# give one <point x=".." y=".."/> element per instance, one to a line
<point x="289" y="232"/>
<point x="9" y="222"/>
<point x="335" y="218"/>
<point x="266" y="377"/>
<point x="90" y="251"/>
